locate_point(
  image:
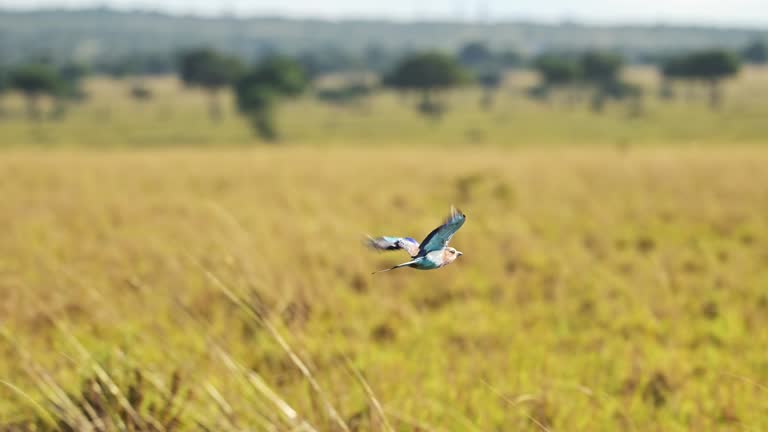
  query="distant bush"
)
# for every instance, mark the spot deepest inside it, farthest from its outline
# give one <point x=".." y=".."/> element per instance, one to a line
<point x="600" y="67"/>
<point x="211" y="71"/>
<point x="262" y="87"/>
<point x="141" y="92"/>
<point x="35" y="80"/>
<point x="597" y="71"/>
<point x="490" y="81"/>
<point x="428" y="73"/>
<point x="71" y="76"/>
<point x="710" y="66"/>
<point x="475" y="54"/>
<point x="556" y="71"/>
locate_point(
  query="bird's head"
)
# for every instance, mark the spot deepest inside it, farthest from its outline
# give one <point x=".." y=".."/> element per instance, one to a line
<point x="451" y="254"/>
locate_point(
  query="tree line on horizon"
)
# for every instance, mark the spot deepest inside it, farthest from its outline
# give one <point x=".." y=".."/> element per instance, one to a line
<point x="259" y="87"/>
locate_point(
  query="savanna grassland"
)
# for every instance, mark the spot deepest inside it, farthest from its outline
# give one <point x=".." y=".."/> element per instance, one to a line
<point x="604" y="287"/>
<point x="177" y="117"/>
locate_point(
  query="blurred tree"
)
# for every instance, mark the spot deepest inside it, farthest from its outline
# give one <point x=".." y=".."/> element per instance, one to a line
<point x="596" y="71"/>
<point x="672" y="69"/>
<point x="211" y="71"/>
<point x="475" y="54"/>
<point x="620" y="91"/>
<point x="258" y="91"/>
<point x="488" y="67"/>
<point x="315" y="65"/>
<point x="675" y="68"/>
<point x="70" y="89"/>
<point x="490" y="82"/>
<point x="600" y="67"/>
<point x="711" y="66"/>
<point x="510" y="59"/>
<point x="555" y="72"/>
<point x="756" y="52"/>
<point x="427" y="72"/>
<point x="35" y="80"/>
<point x="601" y="71"/>
<point x="72" y="75"/>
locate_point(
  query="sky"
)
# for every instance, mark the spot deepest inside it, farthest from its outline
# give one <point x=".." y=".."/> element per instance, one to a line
<point x="750" y="13"/>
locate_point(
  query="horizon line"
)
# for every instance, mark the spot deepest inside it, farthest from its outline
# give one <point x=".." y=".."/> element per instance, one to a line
<point x="426" y="19"/>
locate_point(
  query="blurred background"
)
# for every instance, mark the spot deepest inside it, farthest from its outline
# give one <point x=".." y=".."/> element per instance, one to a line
<point x="472" y="73"/>
<point x="187" y="183"/>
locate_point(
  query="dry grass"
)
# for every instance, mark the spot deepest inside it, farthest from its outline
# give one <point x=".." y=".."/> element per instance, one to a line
<point x="599" y="290"/>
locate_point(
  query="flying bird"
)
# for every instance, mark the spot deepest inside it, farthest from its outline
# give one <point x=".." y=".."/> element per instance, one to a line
<point x="432" y="253"/>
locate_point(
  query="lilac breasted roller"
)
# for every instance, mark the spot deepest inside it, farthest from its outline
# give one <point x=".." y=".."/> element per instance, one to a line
<point x="432" y="253"/>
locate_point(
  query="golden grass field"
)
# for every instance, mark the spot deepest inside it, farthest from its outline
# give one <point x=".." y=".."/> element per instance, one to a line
<point x="599" y="290"/>
<point x="603" y="287"/>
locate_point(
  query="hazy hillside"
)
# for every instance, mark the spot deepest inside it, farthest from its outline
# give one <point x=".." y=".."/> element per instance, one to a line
<point x="98" y="33"/>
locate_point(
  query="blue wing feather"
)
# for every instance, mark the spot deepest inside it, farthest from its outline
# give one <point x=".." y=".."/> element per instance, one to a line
<point x="394" y="243"/>
<point x="441" y="235"/>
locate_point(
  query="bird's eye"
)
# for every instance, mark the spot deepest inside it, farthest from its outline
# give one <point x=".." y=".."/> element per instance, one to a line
<point x="453" y="251"/>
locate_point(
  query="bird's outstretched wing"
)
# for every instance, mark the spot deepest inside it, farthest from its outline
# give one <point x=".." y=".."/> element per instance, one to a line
<point x="441" y="235"/>
<point x="394" y="243"/>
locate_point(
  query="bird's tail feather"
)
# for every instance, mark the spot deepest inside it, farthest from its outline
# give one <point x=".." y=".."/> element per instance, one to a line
<point x="395" y="267"/>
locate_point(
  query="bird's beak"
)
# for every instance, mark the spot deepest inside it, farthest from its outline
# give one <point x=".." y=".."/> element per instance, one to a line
<point x="460" y="253"/>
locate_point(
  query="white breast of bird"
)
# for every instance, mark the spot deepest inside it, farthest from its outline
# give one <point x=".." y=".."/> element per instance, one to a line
<point x="437" y="257"/>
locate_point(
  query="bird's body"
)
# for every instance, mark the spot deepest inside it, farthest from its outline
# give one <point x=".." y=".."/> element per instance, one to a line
<point x="432" y="260"/>
<point x="433" y="252"/>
